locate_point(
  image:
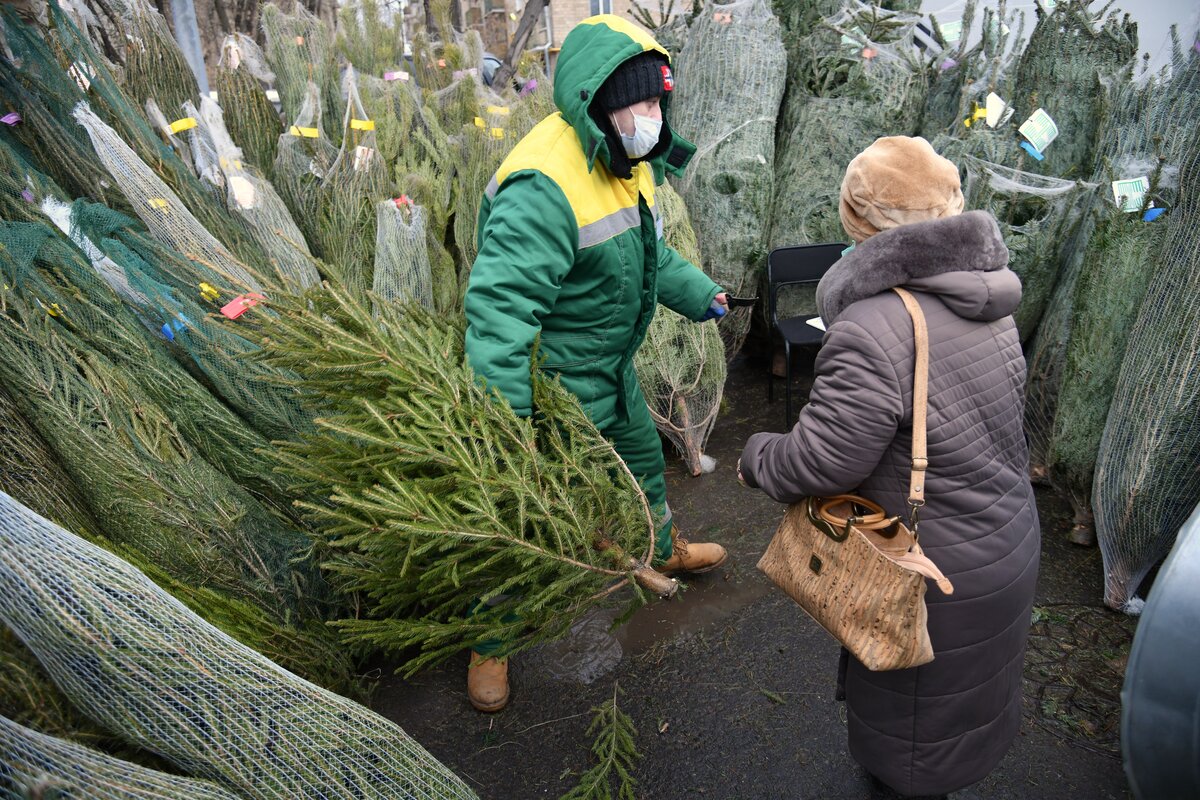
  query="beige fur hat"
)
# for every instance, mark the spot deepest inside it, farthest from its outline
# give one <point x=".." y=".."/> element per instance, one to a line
<point x="895" y="181"/>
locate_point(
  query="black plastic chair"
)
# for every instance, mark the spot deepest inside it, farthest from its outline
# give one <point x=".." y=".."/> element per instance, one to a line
<point x="796" y="266"/>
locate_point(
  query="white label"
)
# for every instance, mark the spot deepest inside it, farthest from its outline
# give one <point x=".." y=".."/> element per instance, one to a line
<point x="817" y="323"/>
<point x="1133" y="191"/>
<point x="998" y="111"/>
<point x="362" y="158"/>
<point x="243" y="192"/>
<point x="952" y="31"/>
<point x="1039" y="129"/>
<point x="82" y="74"/>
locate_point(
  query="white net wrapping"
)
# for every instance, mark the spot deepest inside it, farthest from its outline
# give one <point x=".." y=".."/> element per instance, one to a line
<point x="402" y="271"/>
<point x="730" y="78"/>
<point x="158" y="207"/>
<point x="255" y="200"/>
<point x="299" y="49"/>
<point x="1146" y="480"/>
<point x="140" y="663"/>
<point x="304" y="159"/>
<point x="36" y="765"/>
<point x="681" y="364"/>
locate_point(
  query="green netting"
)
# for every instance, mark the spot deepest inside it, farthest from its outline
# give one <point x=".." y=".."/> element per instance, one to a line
<point x="300" y="51"/>
<point x="402" y="271"/>
<point x="370" y="37"/>
<point x="140" y="663"/>
<point x="837" y="103"/>
<point x="1146" y="479"/>
<point x="1070" y="53"/>
<point x="681" y="364"/>
<point x="1038" y="216"/>
<point x="1145" y="136"/>
<point x="36" y="765"/>
<point x="154" y="65"/>
<point x="304" y="158"/>
<point x="356" y="182"/>
<point x="730" y="79"/>
<point x="254" y="199"/>
<point x="252" y="120"/>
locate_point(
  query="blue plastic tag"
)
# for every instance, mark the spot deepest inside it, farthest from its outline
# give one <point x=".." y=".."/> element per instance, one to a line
<point x="1153" y="214"/>
<point x="847" y="250"/>
<point x="1033" y="151"/>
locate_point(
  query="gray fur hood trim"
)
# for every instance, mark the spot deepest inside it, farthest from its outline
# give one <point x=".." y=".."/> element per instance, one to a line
<point x="954" y="258"/>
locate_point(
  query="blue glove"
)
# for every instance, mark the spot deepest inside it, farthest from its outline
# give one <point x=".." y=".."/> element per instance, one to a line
<point x="716" y="310"/>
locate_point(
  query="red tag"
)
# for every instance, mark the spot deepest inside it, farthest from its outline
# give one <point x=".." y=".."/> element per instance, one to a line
<point x="403" y="200"/>
<point x="240" y="305"/>
<point x="668" y="79"/>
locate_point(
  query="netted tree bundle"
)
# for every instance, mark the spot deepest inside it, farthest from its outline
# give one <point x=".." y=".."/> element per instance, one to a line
<point x="356" y="182"/>
<point x="163" y="213"/>
<point x="1038" y="216"/>
<point x="300" y="51"/>
<point x="1071" y="51"/>
<point x="304" y="158"/>
<point x="402" y="271"/>
<point x="252" y="120"/>
<point x="37" y="765"/>
<point x="255" y="200"/>
<point x="681" y="364"/>
<point x="154" y="66"/>
<point x="142" y="664"/>
<point x="1146" y="479"/>
<point x="1147" y="135"/>
<point x="370" y="37"/>
<point x="455" y="521"/>
<point x="730" y="80"/>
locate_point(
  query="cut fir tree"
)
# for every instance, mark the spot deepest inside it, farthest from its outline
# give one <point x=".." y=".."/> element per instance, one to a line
<point x="452" y="520"/>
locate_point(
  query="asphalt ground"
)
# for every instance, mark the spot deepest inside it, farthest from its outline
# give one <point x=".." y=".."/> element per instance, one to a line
<point x="731" y="687"/>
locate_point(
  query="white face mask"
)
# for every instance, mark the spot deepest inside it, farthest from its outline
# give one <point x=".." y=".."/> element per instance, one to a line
<point x="646" y="131"/>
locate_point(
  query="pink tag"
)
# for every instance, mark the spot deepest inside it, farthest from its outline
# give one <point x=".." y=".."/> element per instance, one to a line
<point x="869" y="52"/>
<point x="240" y="305"/>
<point x="949" y="63"/>
<point x="11" y="118"/>
<point x="27" y="195"/>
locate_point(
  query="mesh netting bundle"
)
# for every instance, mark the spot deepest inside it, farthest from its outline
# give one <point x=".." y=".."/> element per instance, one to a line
<point x="154" y="65"/>
<point x="838" y="102"/>
<point x="36" y="765"/>
<point x="370" y="37"/>
<point x="1146" y="479"/>
<point x="681" y="365"/>
<point x="402" y="271"/>
<point x="1038" y="216"/>
<point x="304" y="158"/>
<point x="158" y="207"/>
<point x="1068" y="56"/>
<point x="730" y="79"/>
<point x="255" y="200"/>
<point x="142" y="664"/>
<point x="252" y="120"/>
<point x="356" y="182"/>
<point x="300" y="51"/>
<point x="1147" y="128"/>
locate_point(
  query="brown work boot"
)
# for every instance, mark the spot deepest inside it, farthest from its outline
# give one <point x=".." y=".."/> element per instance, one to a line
<point x="487" y="683"/>
<point x="694" y="557"/>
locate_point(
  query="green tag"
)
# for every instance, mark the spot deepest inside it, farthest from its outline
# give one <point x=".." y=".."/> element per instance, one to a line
<point x="952" y="31"/>
<point x="1039" y="129"/>
<point x="1131" y="192"/>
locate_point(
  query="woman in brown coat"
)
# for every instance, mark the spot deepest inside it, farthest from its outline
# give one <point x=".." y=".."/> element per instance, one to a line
<point x="939" y="727"/>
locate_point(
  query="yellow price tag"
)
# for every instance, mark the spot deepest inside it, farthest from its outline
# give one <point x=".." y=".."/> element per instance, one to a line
<point x="503" y="110"/>
<point x="54" y="309"/>
<point x="362" y="125"/>
<point x="479" y="123"/>
<point x="977" y="114"/>
<point x="498" y="133"/>
<point x="185" y="124"/>
<point x="209" y="292"/>
<point x="159" y="203"/>
<point x="307" y="133"/>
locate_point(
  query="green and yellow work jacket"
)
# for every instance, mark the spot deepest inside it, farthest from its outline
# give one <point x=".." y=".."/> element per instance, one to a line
<point x="572" y="258"/>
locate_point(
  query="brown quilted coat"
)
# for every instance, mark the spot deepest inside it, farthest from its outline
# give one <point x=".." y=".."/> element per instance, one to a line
<point x="940" y="727"/>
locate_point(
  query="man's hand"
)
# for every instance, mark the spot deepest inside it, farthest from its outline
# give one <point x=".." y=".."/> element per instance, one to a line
<point x="719" y="307"/>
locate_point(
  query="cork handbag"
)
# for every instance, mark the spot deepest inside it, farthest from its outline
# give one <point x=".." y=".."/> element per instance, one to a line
<point x="857" y="571"/>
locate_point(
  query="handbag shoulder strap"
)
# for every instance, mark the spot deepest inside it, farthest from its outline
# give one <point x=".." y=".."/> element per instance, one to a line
<point x="920" y="461"/>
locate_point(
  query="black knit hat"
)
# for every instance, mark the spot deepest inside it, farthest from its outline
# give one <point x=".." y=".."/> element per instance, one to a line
<point x="642" y="77"/>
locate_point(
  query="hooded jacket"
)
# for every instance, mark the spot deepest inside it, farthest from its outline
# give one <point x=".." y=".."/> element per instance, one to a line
<point x="942" y="726"/>
<point x="571" y="258"/>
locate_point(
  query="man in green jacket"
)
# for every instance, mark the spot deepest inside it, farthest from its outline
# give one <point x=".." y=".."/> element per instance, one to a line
<point x="571" y="256"/>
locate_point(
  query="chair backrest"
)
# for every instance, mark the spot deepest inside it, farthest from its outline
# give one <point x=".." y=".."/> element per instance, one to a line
<point x="805" y="263"/>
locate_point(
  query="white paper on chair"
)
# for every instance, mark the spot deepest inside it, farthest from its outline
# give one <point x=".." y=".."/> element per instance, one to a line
<point x="817" y="323"/>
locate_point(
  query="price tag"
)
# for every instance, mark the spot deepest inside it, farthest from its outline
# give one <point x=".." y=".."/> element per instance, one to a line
<point x="209" y="292"/>
<point x="402" y="201"/>
<point x="82" y="75"/>
<point x="181" y="125"/>
<point x="1040" y="130"/>
<point x="952" y="31"/>
<point x="398" y="75"/>
<point x="362" y="125"/>
<point x="307" y="133"/>
<point x="1033" y="151"/>
<point x="11" y="118"/>
<point x="159" y="203"/>
<point x="362" y="158"/>
<point x="501" y="110"/>
<point x="723" y="17"/>
<point x="241" y="304"/>
<point x="998" y="111"/>
<point x="1131" y="192"/>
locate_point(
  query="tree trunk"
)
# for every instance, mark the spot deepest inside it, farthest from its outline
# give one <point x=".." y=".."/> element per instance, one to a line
<point x="529" y="19"/>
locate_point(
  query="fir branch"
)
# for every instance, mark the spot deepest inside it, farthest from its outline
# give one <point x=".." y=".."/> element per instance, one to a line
<point x="616" y="754"/>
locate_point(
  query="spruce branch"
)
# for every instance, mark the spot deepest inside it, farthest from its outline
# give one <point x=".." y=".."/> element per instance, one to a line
<point x="616" y="755"/>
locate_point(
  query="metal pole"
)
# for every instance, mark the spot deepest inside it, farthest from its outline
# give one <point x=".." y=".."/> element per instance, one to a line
<point x="187" y="34"/>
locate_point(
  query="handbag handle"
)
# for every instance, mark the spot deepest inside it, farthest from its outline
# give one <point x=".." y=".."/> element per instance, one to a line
<point x="920" y="460"/>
